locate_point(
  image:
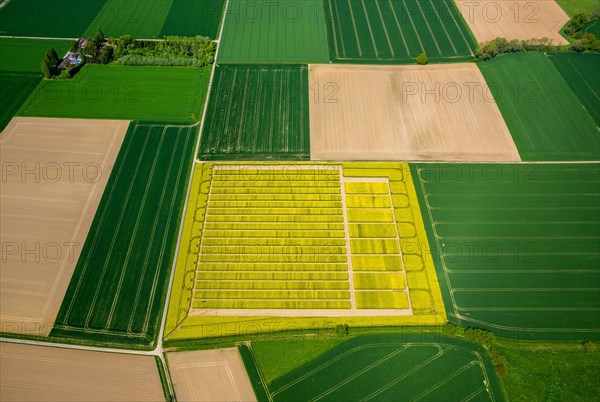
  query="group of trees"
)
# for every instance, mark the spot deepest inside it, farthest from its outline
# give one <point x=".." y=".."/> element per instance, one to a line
<point x="195" y="51"/>
<point x="50" y="63"/>
<point x="498" y="46"/>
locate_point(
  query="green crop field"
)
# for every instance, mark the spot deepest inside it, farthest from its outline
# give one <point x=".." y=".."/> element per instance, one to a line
<point x="138" y="18"/>
<point x="25" y="55"/>
<point x="123" y="92"/>
<point x="257" y="112"/>
<point x="545" y="118"/>
<point x="574" y="7"/>
<point x="119" y="284"/>
<point x="517" y="246"/>
<point x="192" y="17"/>
<point x="48" y="18"/>
<point x="16" y="87"/>
<point x="284" y="31"/>
<point x="593" y="27"/>
<point x="392" y="31"/>
<point x="581" y="73"/>
<point x="391" y="368"/>
<point x="302" y="240"/>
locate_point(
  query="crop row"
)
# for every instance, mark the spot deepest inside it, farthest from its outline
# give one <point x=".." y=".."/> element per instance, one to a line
<point x="377" y="263"/>
<point x="374" y="246"/>
<point x="275" y="190"/>
<point x="270" y="294"/>
<point x="276" y="184"/>
<point x="314" y="242"/>
<point x="275" y="218"/>
<point x="270" y="204"/>
<point x="378" y="230"/>
<point x="267" y="176"/>
<point x="275" y="234"/>
<point x="272" y="276"/>
<point x="382" y="299"/>
<point x="282" y="266"/>
<point x="274" y="258"/>
<point x="366" y="188"/>
<point x="368" y="201"/>
<point x="274" y="226"/>
<point x="291" y="250"/>
<point x="275" y="197"/>
<point x="275" y="210"/>
<point x="272" y="285"/>
<point x="378" y="281"/>
<point x="370" y="215"/>
<point x="271" y="304"/>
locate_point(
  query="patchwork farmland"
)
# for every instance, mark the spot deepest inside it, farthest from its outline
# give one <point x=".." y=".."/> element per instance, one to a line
<point x="117" y="289"/>
<point x="257" y="112"/>
<point x="517" y="246"/>
<point x="392" y="31"/>
<point x="302" y="241"/>
<point x="388" y="367"/>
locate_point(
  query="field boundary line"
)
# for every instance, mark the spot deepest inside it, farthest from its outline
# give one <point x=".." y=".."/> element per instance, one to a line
<point x="348" y="239"/>
<point x="135" y="231"/>
<point x="355" y="29"/>
<point x="458" y="26"/>
<point x="370" y="28"/>
<point x="437" y="45"/>
<point x="399" y="27"/>
<point x="299" y="312"/>
<point x="444" y="27"/>
<point x="360" y="372"/>
<point x="412" y="22"/>
<point x="407" y="374"/>
<point x="387" y="35"/>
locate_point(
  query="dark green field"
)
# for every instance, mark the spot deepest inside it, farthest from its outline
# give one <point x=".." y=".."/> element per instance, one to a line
<point x="25" y="55"/>
<point x="392" y="368"/>
<point x="15" y="88"/>
<point x="391" y="31"/>
<point x="119" y="284"/>
<point x="257" y="112"/>
<point x="193" y="17"/>
<point x="581" y="73"/>
<point x="545" y="118"/>
<point x="123" y="92"/>
<point x="517" y="247"/>
<point x="48" y="18"/>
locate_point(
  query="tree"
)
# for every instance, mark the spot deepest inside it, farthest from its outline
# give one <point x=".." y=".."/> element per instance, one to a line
<point x="107" y="54"/>
<point x="501" y="370"/>
<point x="422" y="59"/>
<point x="589" y="346"/>
<point x="46" y="69"/>
<point x="341" y="329"/>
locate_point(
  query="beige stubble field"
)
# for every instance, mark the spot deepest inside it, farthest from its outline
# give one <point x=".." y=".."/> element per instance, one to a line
<point x="514" y="19"/>
<point x="210" y="375"/>
<point x="54" y="172"/>
<point x="34" y="373"/>
<point x="434" y="112"/>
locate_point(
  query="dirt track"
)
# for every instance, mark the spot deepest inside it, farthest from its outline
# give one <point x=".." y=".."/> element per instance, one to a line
<point x="514" y="19"/>
<point x="34" y="373"/>
<point x="434" y="112"/>
<point x="54" y="172"/>
<point x="210" y="375"/>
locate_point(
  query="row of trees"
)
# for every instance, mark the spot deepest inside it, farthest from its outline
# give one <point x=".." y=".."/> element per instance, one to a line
<point x="50" y="62"/>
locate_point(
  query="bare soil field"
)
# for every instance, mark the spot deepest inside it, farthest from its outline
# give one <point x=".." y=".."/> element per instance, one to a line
<point x="435" y="112"/>
<point x="36" y="373"/>
<point x="210" y="375"/>
<point x="514" y="19"/>
<point x="54" y="172"/>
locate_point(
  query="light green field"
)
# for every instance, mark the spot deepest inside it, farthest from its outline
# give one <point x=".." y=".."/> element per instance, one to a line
<point x="573" y="7"/>
<point x="173" y="94"/>
<point x="138" y="18"/>
<point x="284" y="31"/>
